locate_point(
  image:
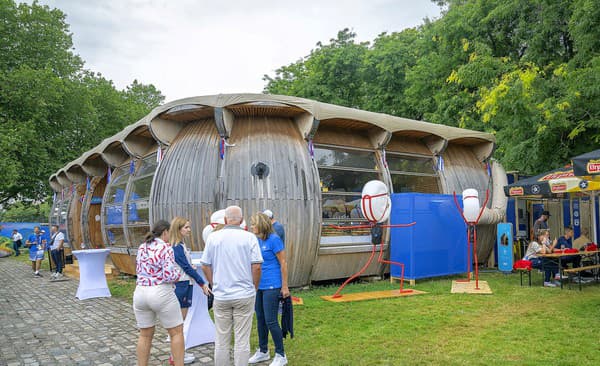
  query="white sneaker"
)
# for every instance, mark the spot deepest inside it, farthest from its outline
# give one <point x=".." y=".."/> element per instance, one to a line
<point x="53" y="275"/>
<point x="259" y="357"/>
<point x="188" y="358"/>
<point x="58" y="276"/>
<point x="278" y="360"/>
<point x="549" y="284"/>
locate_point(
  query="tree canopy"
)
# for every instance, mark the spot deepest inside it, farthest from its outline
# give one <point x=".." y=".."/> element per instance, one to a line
<point x="527" y="71"/>
<point x="52" y="109"/>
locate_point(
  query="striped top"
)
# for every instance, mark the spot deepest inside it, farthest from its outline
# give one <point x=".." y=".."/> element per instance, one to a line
<point x="155" y="264"/>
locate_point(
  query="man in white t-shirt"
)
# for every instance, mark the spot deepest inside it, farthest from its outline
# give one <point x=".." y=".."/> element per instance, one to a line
<point x="232" y="264"/>
<point x="17" y="239"/>
<point x="57" y="240"/>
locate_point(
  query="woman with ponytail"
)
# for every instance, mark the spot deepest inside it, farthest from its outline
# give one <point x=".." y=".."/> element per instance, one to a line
<point x="154" y="296"/>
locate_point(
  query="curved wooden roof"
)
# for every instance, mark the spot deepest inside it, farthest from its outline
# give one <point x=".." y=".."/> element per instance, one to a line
<point x="163" y="124"/>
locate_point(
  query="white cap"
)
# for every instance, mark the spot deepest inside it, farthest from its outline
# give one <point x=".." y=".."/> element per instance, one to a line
<point x="269" y="213"/>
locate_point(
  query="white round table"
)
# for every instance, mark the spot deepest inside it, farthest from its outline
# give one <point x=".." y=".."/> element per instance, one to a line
<point x="92" y="280"/>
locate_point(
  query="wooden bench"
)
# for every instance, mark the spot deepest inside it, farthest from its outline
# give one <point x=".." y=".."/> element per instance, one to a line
<point x="578" y="271"/>
<point x="524" y="270"/>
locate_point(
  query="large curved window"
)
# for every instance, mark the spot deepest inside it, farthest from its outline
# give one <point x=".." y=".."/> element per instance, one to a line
<point x="60" y="211"/>
<point x="412" y="173"/>
<point x="138" y="213"/>
<point x="112" y="208"/>
<point x="343" y="173"/>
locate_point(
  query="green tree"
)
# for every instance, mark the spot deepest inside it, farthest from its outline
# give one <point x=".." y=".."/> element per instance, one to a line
<point x="51" y="109"/>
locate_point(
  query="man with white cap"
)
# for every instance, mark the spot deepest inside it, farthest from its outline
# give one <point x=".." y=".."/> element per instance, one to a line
<point x="279" y="230"/>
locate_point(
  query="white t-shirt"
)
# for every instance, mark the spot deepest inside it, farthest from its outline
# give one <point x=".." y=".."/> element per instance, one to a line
<point x="230" y="253"/>
<point x="59" y="236"/>
<point x="17" y="236"/>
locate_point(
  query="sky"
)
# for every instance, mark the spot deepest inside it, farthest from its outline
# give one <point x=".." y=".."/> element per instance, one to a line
<point x="196" y="47"/>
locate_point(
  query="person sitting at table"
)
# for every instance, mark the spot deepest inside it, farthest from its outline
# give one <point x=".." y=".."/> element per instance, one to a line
<point x="181" y="228"/>
<point x="564" y="242"/>
<point x="583" y="239"/>
<point x="154" y="296"/>
<point x="539" y="246"/>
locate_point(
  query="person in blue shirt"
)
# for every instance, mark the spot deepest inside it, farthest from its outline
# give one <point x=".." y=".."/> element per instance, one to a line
<point x="277" y="227"/>
<point x="36" y="244"/>
<point x="273" y="285"/>
<point x="181" y="228"/>
<point x="564" y="242"/>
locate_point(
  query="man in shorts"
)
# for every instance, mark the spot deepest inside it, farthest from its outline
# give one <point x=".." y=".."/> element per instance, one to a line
<point x="36" y="245"/>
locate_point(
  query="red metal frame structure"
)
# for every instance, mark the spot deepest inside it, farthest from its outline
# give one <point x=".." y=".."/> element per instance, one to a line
<point x="472" y="235"/>
<point x="372" y="225"/>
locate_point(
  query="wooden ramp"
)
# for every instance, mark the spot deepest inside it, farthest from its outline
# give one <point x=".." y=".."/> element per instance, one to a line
<point x="72" y="270"/>
<point x="372" y="295"/>
<point x="459" y="287"/>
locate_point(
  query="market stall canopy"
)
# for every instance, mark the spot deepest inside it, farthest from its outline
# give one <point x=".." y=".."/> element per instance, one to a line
<point x="554" y="182"/>
<point x="587" y="165"/>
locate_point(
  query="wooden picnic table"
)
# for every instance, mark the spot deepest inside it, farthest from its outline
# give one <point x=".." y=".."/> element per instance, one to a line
<point x="557" y="257"/>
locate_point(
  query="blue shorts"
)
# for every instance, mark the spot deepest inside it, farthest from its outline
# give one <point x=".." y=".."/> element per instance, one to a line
<point x="33" y="256"/>
<point x="184" y="291"/>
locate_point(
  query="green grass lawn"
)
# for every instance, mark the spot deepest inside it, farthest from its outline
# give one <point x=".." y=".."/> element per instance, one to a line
<point x="513" y="326"/>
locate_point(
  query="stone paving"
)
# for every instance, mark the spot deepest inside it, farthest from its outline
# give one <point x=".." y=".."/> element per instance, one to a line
<point x="42" y="323"/>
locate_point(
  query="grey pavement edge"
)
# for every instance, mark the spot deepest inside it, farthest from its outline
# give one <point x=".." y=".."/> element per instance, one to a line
<point x="42" y="323"/>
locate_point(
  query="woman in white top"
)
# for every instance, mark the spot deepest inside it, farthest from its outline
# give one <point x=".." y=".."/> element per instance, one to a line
<point x="154" y="296"/>
<point x="542" y="245"/>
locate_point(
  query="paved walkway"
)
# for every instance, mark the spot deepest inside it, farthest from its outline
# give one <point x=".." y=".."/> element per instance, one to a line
<point x="42" y="323"/>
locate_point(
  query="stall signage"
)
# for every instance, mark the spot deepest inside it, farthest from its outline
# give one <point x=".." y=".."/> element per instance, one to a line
<point x="593" y="166"/>
<point x="516" y="191"/>
<point x="557" y="175"/>
<point x="558" y="187"/>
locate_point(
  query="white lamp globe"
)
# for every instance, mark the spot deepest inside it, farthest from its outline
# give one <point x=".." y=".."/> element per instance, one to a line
<point x="376" y="203"/>
<point x="470" y="204"/>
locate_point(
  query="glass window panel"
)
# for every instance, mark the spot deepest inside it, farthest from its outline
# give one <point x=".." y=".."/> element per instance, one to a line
<point x="119" y="175"/>
<point x="148" y="166"/>
<point x="327" y="230"/>
<point x="344" y="180"/>
<point x="116" y="193"/>
<point x="410" y="164"/>
<point x="138" y="212"/>
<point x="341" y="206"/>
<point x="141" y="188"/>
<point x="411" y="183"/>
<point x="115" y="237"/>
<point x="348" y="159"/>
<point x="113" y="214"/>
<point x="137" y="234"/>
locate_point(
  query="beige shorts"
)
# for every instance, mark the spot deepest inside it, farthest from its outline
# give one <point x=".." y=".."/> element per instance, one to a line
<point x="150" y="302"/>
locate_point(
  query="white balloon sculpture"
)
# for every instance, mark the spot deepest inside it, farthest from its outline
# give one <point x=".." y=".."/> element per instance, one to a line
<point x="470" y="205"/>
<point x="376" y="203"/>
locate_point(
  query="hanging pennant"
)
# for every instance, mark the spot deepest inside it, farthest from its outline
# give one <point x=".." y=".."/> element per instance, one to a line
<point x="132" y="166"/>
<point x="87" y="184"/>
<point x="383" y="158"/>
<point x="440" y="164"/>
<point x="222" y="149"/>
<point x="488" y="167"/>
<point x="159" y="154"/>
<point x="311" y="149"/>
<point x="54" y="197"/>
<point x="108" y="175"/>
